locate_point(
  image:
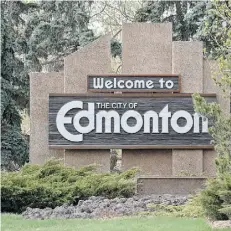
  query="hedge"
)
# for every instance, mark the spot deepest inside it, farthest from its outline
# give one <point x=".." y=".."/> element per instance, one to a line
<point x="54" y="184"/>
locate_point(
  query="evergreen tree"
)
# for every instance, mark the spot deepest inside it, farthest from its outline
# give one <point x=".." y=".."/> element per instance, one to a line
<point x="185" y="16"/>
<point x="53" y="30"/>
<point x="216" y="198"/>
<point x="14" y="94"/>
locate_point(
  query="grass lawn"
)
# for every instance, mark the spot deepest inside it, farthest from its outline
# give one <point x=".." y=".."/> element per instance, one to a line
<point x="12" y="222"/>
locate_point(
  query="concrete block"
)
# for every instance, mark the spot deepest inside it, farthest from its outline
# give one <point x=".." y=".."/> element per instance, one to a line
<point x="150" y="162"/>
<point x="80" y="158"/>
<point x="187" y="60"/>
<point x="147" y="48"/>
<point x="169" y="185"/>
<point x="187" y="162"/>
<point x="95" y="58"/>
<point x="209" y="168"/>
<point x="209" y="85"/>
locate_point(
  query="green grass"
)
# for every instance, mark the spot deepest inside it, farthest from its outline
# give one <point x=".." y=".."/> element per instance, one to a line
<point x="12" y="222"/>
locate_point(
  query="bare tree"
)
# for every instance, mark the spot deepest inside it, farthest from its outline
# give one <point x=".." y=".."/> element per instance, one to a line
<point x="108" y="16"/>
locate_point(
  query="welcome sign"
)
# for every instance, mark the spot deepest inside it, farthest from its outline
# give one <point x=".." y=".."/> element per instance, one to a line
<point x="134" y="83"/>
<point x="127" y="121"/>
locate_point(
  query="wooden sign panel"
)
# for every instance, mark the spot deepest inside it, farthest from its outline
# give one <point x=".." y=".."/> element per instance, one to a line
<point x="134" y="83"/>
<point x="127" y="121"/>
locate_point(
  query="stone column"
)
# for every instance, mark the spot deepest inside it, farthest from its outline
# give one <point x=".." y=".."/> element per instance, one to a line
<point x="41" y="84"/>
<point x="187" y="60"/>
<point x="95" y="58"/>
<point x="147" y="49"/>
<point x="211" y="69"/>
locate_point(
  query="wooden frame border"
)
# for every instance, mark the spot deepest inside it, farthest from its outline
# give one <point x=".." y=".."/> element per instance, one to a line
<point x="186" y="147"/>
<point x="170" y="147"/>
<point x="134" y="90"/>
<point x="132" y="95"/>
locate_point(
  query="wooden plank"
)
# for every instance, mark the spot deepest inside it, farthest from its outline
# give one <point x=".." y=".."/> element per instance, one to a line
<point x="124" y="139"/>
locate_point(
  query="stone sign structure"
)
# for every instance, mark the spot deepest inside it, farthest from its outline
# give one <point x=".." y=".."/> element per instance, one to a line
<point x="148" y="50"/>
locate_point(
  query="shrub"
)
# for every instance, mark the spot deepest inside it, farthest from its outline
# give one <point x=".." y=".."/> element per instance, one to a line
<point x="54" y="184"/>
<point x="216" y="198"/>
<point x="192" y="208"/>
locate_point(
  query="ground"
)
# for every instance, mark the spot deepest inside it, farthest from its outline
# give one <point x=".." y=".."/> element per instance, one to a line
<point x="12" y="222"/>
